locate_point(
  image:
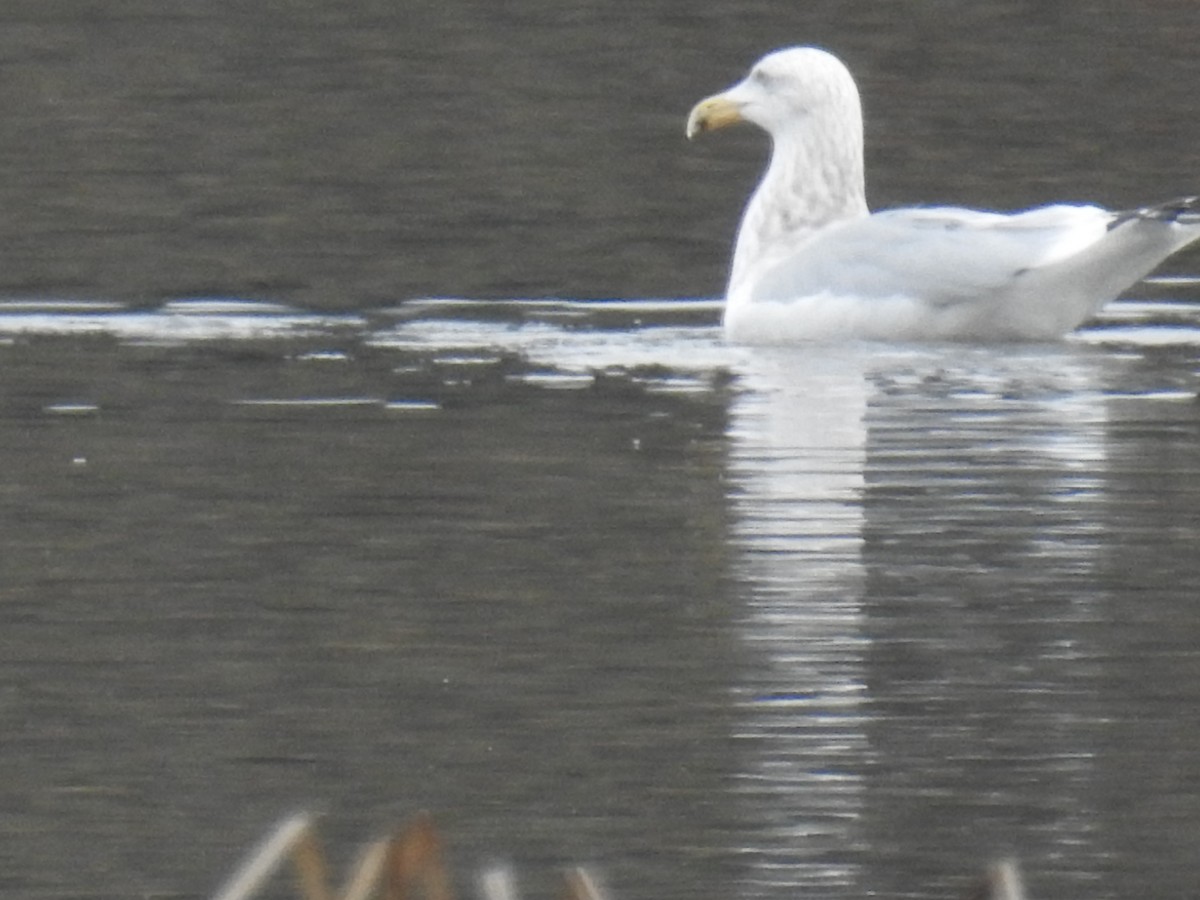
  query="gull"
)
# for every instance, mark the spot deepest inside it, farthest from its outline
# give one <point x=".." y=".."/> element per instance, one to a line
<point x="812" y="262"/>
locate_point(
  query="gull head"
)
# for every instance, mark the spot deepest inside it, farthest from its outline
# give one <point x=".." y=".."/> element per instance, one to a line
<point x="784" y="90"/>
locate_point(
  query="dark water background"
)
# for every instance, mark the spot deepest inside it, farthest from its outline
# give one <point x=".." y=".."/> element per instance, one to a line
<point x="584" y="581"/>
<point x="351" y="154"/>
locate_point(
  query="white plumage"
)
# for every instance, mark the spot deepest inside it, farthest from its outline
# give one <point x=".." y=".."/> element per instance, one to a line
<point x="812" y="263"/>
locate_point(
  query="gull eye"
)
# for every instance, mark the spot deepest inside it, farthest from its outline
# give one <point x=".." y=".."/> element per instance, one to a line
<point x="761" y="78"/>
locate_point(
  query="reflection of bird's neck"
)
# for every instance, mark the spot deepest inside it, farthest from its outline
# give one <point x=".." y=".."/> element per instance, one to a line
<point x="815" y="178"/>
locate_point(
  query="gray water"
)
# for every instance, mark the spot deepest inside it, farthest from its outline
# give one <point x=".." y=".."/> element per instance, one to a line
<point x="595" y="586"/>
<point x="580" y="578"/>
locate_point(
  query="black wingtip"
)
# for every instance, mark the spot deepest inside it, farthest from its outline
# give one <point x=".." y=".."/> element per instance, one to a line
<point x="1181" y="209"/>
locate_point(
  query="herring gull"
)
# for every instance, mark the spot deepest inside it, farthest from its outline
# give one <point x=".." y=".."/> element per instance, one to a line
<point x="811" y="262"/>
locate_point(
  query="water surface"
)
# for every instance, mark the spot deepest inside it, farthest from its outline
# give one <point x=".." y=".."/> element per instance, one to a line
<point x="594" y="585"/>
<point x="577" y="576"/>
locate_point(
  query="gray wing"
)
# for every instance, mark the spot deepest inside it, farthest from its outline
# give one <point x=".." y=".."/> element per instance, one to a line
<point x="939" y="256"/>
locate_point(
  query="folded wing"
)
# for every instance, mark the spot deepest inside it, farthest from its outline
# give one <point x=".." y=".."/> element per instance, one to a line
<point x="939" y="257"/>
